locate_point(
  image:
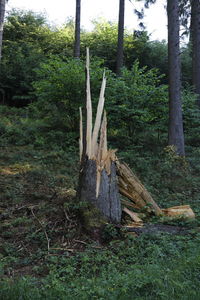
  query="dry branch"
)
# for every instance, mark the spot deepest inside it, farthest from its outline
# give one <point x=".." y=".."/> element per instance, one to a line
<point x="81" y="134"/>
<point x="133" y="215"/>
<point x="89" y="109"/>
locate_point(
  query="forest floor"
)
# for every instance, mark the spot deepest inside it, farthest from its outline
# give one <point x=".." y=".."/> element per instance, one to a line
<point x="36" y="218"/>
<point x="46" y="254"/>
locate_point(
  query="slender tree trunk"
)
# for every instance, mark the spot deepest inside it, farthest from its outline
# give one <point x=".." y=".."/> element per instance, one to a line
<point x="195" y="39"/>
<point x="2" y="14"/>
<point x="77" y="29"/>
<point x="190" y="26"/>
<point x="120" y="44"/>
<point x="176" y="136"/>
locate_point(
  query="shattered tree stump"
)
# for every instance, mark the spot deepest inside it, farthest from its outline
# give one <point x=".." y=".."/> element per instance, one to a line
<point x="102" y="177"/>
<point x="97" y="181"/>
<point x="107" y="201"/>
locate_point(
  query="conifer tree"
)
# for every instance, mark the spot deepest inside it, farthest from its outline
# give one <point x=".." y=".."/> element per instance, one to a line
<point x="77" y="29"/>
<point x="120" y="43"/>
<point x="2" y="15"/>
<point x="176" y="136"/>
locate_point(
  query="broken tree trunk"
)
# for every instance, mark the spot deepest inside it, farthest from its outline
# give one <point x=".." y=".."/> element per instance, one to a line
<point x="131" y="187"/>
<point x="102" y="176"/>
<point x="107" y="200"/>
<point x="98" y="181"/>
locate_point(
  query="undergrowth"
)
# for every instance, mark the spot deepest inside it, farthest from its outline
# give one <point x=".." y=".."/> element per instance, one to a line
<point x="44" y="251"/>
<point x="148" y="267"/>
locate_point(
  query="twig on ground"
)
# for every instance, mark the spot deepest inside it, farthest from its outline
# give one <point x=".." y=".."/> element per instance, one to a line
<point x="63" y="249"/>
<point x="82" y="242"/>
<point x="43" y="228"/>
<point x="66" y="215"/>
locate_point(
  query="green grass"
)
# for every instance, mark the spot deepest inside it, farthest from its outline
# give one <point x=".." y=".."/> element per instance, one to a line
<point x="149" y="267"/>
<point x="37" y="201"/>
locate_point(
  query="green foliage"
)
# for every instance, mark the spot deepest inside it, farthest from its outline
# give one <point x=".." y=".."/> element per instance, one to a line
<point x="102" y="41"/>
<point x="191" y="117"/>
<point x="60" y="91"/>
<point x="39" y="164"/>
<point x="29" y="41"/>
<point x="162" y="267"/>
<point x="138" y="102"/>
<point x="186" y="65"/>
<point x="154" y="55"/>
<point x="22" y="34"/>
<point x="110" y="233"/>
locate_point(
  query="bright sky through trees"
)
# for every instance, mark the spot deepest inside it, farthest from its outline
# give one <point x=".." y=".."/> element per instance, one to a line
<point x="58" y="12"/>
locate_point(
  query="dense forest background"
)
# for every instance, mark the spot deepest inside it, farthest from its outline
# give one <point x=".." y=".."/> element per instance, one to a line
<point x="42" y="87"/>
<point x="38" y="70"/>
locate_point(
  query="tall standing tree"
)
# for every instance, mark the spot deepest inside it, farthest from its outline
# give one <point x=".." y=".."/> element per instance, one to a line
<point x="77" y="29"/>
<point x="2" y="15"/>
<point x="120" y="43"/>
<point x="195" y="39"/>
<point x="176" y="136"/>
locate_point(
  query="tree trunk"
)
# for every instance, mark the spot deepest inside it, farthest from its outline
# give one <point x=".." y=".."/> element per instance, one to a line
<point x="97" y="179"/>
<point x="107" y="201"/>
<point x="77" y="29"/>
<point x="176" y="136"/>
<point x="120" y="43"/>
<point x="2" y="14"/>
<point x="195" y="39"/>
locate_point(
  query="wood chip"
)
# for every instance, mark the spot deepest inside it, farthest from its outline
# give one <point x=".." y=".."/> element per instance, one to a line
<point x="178" y="211"/>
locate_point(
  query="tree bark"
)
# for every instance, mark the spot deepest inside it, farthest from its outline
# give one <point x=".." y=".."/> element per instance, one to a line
<point x="195" y="39"/>
<point x="120" y="43"/>
<point x="176" y="136"/>
<point x="2" y="15"/>
<point x="107" y="201"/>
<point x="98" y="187"/>
<point x="77" y="29"/>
